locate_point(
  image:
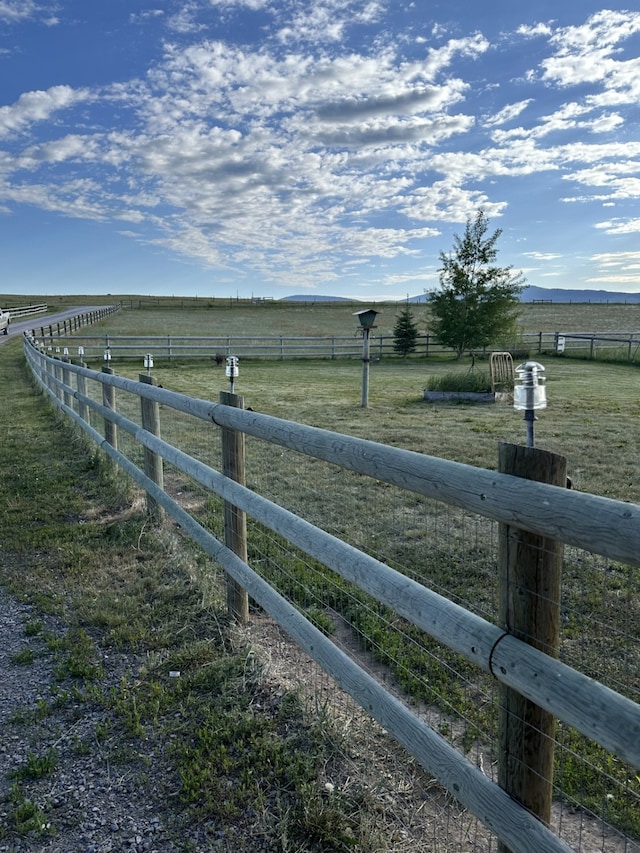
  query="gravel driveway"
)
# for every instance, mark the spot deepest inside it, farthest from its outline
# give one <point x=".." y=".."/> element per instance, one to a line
<point x="95" y="800"/>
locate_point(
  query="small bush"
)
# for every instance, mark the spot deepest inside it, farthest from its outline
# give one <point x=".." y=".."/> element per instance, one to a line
<point x="471" y="380"/>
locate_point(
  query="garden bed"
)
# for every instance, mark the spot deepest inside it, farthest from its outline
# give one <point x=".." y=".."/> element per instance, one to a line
<point x="504" y="397"/>
<point x="466" y="396"/>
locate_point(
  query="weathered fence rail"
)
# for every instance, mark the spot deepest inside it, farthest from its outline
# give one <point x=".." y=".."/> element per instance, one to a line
<point x="600" y="525"/>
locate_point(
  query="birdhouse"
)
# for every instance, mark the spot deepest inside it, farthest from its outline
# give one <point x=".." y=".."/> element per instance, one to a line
<point x="367" y="317"/>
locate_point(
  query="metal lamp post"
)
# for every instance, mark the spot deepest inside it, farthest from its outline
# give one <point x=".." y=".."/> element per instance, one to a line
<point x="529" y="393"/>
<point x="367" y="319"/>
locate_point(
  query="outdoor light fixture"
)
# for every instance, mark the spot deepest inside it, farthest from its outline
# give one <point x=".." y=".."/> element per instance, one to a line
<point x="367" y="319"/>
<point x="65" y="351"/>
<point x="148" y="362"/>
<point x="107" y="355"/>
<point x="529" y="393"/>
<point x="231" y="370"/>
<point x="81" y="351"/>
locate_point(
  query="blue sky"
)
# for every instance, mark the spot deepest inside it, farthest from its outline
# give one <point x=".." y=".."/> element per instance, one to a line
<point x="280" y="147"/>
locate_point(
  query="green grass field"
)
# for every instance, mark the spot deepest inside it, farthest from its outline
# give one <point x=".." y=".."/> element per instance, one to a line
<point x="223" y="316"/>
<point x="591" y="417"/>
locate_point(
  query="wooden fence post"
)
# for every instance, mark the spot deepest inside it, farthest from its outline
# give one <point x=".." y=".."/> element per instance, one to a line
<point x="83" y="409"/>
<point x="530" y="578"/>
<point x="153" y="464"/>
<point x="66" y="378"/>
<point x="56" y="375"/>
<point x="235" y="519"/>
<point x="109" y="401"/>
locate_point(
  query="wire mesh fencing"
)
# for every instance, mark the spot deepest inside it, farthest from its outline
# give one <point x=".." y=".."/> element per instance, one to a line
<point x="596" y="797"/>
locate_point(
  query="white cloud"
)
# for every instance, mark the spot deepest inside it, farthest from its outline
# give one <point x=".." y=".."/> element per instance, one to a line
<point x="618" y="280"/>
<point x="606" y="123"/>
<point x="447" y="200"/>
<point x="184" y="21"/>
<point x="145" y="15"/>
<point x="21" y="11"/>
<point x="71" y="147"/>
<point x="585" y="53"/>
<point x="12" y="11"/>
<point x="38" y="107"/>
<point x="617" y="268"/>
<point x="542" y="256"/>
<point x="616" y="258"/>
<point x="573" y="117"/>
<point x="508" y="113"/>
<point x="75" y="198"/>
<point x="325" y="21"/>
<point x="620" y="226"/>
<point x="420" y="278"/>
<point x="540" y="29"/>
<point x="248" y="4"/>
<point x="619" y="178"/>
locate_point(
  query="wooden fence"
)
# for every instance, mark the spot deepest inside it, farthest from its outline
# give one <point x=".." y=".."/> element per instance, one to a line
<point x="532" y="511"/>
<point x="58" y="332"/>
<point x="622" y="346"/>
<point x="122" y="347"/>
<point x="26" y="311"/>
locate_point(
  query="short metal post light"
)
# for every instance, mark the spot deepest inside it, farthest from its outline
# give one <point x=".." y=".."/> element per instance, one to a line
<point x="232" y="371"/>
<point x="107" y="356"/>
<point x="367" y="319"/>
<point x="529" y="393"/>
<point x="148" y="362"/>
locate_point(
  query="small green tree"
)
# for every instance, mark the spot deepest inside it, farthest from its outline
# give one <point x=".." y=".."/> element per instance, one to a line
<point x="405" y="333"/>
<point x="478" y="301"/>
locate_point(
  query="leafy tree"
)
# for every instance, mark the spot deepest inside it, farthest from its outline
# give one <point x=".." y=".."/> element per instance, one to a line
<point x="405" y="333"/>
<point x="478" y="301"/>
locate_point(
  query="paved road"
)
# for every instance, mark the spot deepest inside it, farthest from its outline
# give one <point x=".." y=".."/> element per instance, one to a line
<point x="18" y="327"/>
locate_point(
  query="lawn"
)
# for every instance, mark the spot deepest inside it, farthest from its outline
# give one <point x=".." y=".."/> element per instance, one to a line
<point x="591" y="417"/>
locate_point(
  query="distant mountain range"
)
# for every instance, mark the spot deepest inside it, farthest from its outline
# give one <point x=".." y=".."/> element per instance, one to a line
<point x="558" y="294"/>
<point x="529" y="294"/>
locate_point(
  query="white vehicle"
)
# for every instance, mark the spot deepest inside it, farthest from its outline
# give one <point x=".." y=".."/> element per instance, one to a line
<point x="5" y="319"/>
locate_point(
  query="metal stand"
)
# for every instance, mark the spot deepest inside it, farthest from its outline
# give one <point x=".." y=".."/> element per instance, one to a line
<point x="365" y="368"/>
<point x="530" y="419"/>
